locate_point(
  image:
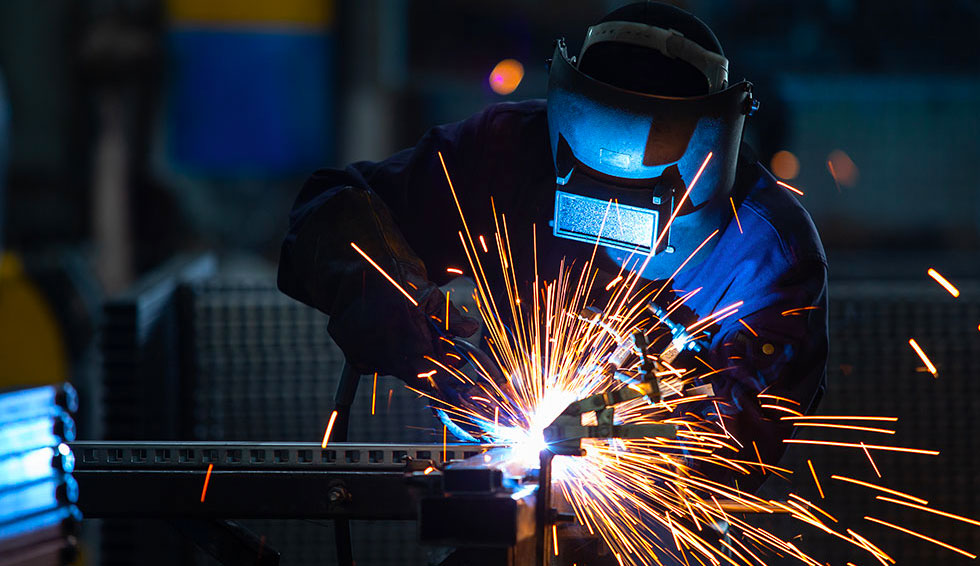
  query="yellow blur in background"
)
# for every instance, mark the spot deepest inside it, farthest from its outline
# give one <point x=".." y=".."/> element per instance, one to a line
<point x="32" y="348"/>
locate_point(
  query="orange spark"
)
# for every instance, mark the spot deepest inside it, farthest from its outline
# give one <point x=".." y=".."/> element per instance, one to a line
<point x="922" y="536"/>
<point x="613" y="282"/>
<point x="374" y="392"/>
<point x="848" y="427"/>
<point x="454" y="270"/>
<point x="871" y="446"/>
<point x="944" y="282"/>
<point x="815" y="480"/>
<point x="925" y="359"/>
<point x="783" y="409"/>
<point x="444" y="427"/>
<point x="830" y="167"/>
<point x="554" y="537"/>
<point x="879" y="488"/>
<point x="428" y="470"/>
<point x="839" y="418"/>
<point x="680" y="204"/>
<point x="842" y="169"/>
<point x="778" y="398"/>
<point x="388" y="407"/>
<point x="483" y="243"/>
<point x="794" y="189"/>
<point x="207" y="478"/>
<point x="757" y="455"/>
<point x="326" y="433"/>
<point x="447" y="310"/>
<point x="427" y="374"/>
<point x="870" y="459"/>
<point x="928" y="510"/>
<point x="383" y="272"/>
<point x="864" y="543"/>
<point x="737" y="221"/>
<point x="746" y="325"/>
<point x="791" y="312"/>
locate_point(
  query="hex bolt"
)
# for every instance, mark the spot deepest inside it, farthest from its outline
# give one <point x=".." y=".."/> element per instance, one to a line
<point x="338" y="495"/>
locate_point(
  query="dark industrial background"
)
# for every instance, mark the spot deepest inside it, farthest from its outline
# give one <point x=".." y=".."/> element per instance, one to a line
<point x="150" y="151"/>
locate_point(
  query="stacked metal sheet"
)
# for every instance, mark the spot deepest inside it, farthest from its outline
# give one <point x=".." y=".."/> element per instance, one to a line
<point x="263" y="367"/>
<point x="140" y="348"/>
<point x="37" y="492"/>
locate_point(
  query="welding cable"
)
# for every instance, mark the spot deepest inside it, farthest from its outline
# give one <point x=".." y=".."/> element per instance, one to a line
<point x="343" y="399"/>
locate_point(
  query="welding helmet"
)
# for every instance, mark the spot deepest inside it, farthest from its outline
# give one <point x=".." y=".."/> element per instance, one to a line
<point x="645" y="175"/>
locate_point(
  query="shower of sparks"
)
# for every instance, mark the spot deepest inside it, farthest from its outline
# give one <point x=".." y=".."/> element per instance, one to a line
<point x="326" y="433"/>
<point x="944" y="282"/>
<point x="925" y="359"/>
<point x="644" y="497"/>
<point x="790" y="187"/>
<point x="207" y="479"/>
<point x="384" y="273"/>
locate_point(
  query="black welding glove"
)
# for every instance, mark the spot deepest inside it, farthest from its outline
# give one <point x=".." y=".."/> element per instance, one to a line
<point x="376" y="325"/>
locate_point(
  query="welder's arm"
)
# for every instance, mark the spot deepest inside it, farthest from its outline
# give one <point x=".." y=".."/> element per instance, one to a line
<point x="386" y="209"/>
<point x="781" y="350"/>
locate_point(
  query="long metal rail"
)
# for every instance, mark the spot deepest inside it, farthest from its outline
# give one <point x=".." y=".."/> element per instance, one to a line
<point x="250" y="480"/>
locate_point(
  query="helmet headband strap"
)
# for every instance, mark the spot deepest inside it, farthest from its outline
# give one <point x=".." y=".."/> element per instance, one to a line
<point x="669" y="42"/>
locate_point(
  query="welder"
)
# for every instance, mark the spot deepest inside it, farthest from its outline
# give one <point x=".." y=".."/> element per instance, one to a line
<point x="645" y="116"/>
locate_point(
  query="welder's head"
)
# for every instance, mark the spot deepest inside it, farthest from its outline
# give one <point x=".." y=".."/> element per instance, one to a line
<point x="633" y="120"/>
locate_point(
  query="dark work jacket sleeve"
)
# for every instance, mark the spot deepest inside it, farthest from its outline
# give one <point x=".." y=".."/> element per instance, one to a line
<point x="367" y="203"/>
<point x="771" y="358"/>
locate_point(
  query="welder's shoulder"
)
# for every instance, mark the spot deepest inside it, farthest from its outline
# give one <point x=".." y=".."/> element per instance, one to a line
<point x="781" y="217"/>
<point x="515" y="134"/>
<point x="511" y="119"/>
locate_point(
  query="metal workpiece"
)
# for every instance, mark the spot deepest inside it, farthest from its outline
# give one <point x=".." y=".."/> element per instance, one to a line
<point x="564" y="436"/>
<point x="482" y="504"/>
<point x="474" y="520"/>
<point x="261" y="455"/>
<point x="259" y="480"/>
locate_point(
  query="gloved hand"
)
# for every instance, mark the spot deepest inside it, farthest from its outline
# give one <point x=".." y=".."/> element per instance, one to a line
<point x="479" y="388"/>
<point x="381" y="332"/>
